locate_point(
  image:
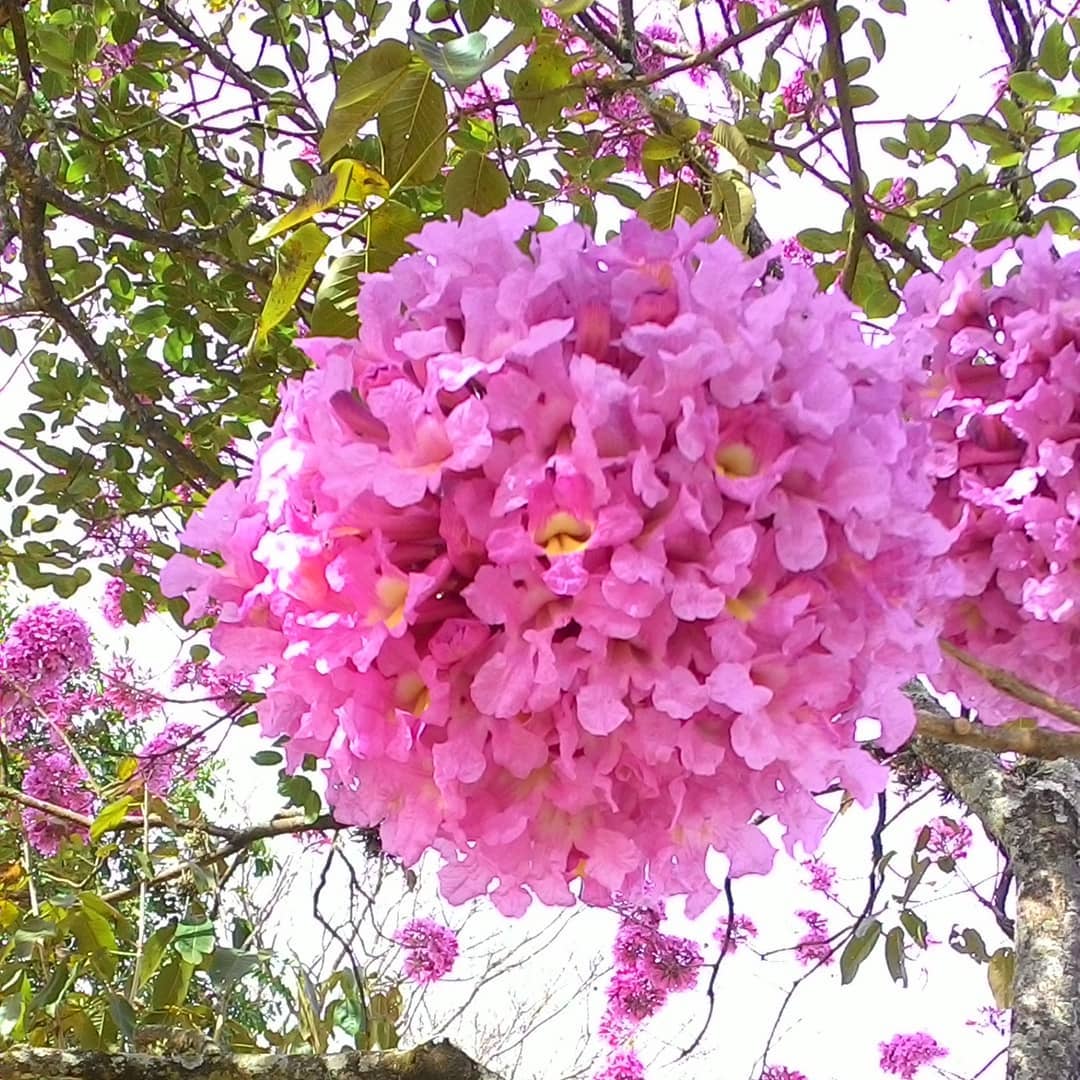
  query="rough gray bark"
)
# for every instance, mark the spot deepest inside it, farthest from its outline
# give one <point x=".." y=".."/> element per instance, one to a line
<point x="1033" y="811"/>
<point x="432" y="1061"/>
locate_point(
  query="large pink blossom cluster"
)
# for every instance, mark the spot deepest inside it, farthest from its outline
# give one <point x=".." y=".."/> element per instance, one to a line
<point x="1004" y="403"/>
<point x="580" y="557"/>
<point x="58" y="779"/>
<point x="43" y="647"/>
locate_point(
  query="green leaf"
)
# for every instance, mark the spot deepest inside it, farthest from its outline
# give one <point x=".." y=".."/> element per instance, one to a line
<point x="970" y="943"/>
<point x="897" y="147"/>
<point x="474" y="13"/>
<point x="171" y="985"/>
<point x="296" y="260"/>
<point x="1057" y="190"/>
<point x="347" y="181"/>
<point x="860" y="95"/>
<point x="476" y="183"/>
<point x="228" y="966"/>
<point x="770" y="75"/>
<point x="1000" y="975"/>
<point x="110" y="816"/>
<point x="153" y="951"/>
<point x="1054" y="52"/>
<point x="1068" y="142"/>
<point x="545" y="86"/>
<point x="267" y="757"/>
<point x="124" y="26"/>
<point x="915" y="926"/>
<point x="273" y="77"/>
<point x="193" y="941"/>
<point x="871" y="290"/>
<point x="366" y="84"/>
<point x="895" y="960"/>
<point x="661" y="148"/>
<point x="132" y="606"/>
<point x="412" y="128"/>
<point x="664" y="205"/>
<point x="858" y="949"/>
<point x="822" y="242"/>
<point x="734" y="201"/>
<point x="461" y="61"/>
<point x="894" y="7"/>
<point x="123" y="1015"/>
<point x="728" y="137"/>
<point x="1032" y="87"/>
<point x="875" y="36"/>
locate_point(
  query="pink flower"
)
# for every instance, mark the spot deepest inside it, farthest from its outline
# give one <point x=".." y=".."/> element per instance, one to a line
<point x="113" y="59"/>
<point x="895" y="197"/>
<point x="43" y="647"/>
<point x="904" y="1055"/>
<point x="797" y="95"/>
<point x="742" y="930"/>
<point x="779" y="1072"/>
<point x="431" y="950"/>
<point x="822" y="876"/>
<point x="10" y="251"/>
<point x="814" y="946"/>
<point x="1001" y="399"/>
<point x="174" y="754"/>
<point x="947" y="838"/>
<point x="55" y="778"/>
<point x="579" y="557"/>
<point x="622" y="1065"/>
<point x="793" y="251"/>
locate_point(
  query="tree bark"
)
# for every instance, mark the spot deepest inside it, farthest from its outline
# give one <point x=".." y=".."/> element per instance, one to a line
<point x="432" y="1061"/>
<point x="1033" y="811"/>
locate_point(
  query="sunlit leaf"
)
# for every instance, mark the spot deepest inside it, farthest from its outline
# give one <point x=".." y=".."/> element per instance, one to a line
<point x="295" y="262"/>
<point x="476" y="183"/>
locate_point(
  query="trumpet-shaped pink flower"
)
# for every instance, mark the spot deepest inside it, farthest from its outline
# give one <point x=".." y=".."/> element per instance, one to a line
<point x="579" y="557"/>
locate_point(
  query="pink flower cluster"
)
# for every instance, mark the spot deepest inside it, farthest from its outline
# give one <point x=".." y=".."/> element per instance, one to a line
<point x="779" y="1072"/>
<point x="742" y="930"/>
<point x="43" y="647"/>
<point x="815" y="945"/>
<point x="649" y="965"/>
<point x="905" y="1055"/>
<point x="430" y="950"/>
<point x="174" y="754"/>
<point x="1003" y="400"/>
<point x="622" y="1065"/>
<point x="946" y="838"/>
<point x="580" y="557"/>
<point x="797" y="95"/>
<point x="55" y="778"/>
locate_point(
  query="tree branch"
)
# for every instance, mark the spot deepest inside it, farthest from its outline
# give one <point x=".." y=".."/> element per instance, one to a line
<point x="1013" y="686"/>
<point x="1008" y="739"/>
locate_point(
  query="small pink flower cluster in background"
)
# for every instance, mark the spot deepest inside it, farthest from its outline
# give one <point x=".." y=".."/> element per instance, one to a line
<point x="822" y="876"/>
<point x="112" y="59"/>
<point x="797" y="95"/>
<point x="742" y="930"/>
<point x="117" y="539"/>
<point x="814" y="946"/>
<point x="905" y="1055"/>
<point x="779" y="1072"/>
<point x="1003" y="399"/>
<point x="226" y="688"/>
<point x="579" y="557"/>
<point x="623" y="1064"/>
<point x="430" y="950"/>
<point x="175" y="753"/>
<point x="947" y="838"/>
<point x="793" y="252"/>
<point x="43" y="647"/>
<point x="649" y="965"/>
<point x="55" y="778"/>
<point x="895" y="197"/>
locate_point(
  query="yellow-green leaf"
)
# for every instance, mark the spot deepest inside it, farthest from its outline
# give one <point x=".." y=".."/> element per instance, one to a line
<point x="110" y="816"/>
<point x="545" y="86"/>
<point x="366" y="84"/>
<point x="476" y="183"/>
<point x="733" y="200"/>
<point x="728" y="137"/>
<point x="295" y="262"/>
<point x="413" y="126"/>
<point x="347" y="181"/>
<point x="1000" y="977"/>
<point x="663" y="206"/>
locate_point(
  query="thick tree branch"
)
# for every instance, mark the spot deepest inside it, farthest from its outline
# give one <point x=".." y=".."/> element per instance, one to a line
<point x="1033" y="811"/>
<point x="1009" y="739"/>
<point x="432" y="1061"/>
<point x="1013" y="686"/>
